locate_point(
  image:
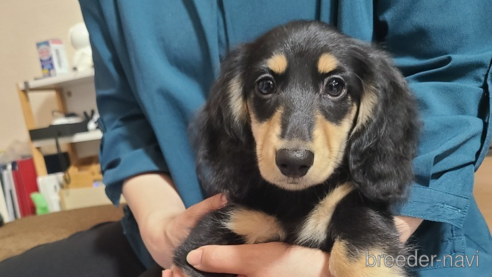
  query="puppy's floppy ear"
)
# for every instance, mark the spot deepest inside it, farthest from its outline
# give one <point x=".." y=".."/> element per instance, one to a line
<point x="221" y="125"/>
<point x="226" y="108"/>
<point x="384" y="141"/>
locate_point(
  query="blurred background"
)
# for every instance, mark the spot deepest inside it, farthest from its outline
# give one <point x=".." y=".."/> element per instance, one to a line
<point x="49" y="139"/>
<point x="23" y="23"/>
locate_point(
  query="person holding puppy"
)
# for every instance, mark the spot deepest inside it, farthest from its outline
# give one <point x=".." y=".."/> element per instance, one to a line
<point x="155" y="62"/>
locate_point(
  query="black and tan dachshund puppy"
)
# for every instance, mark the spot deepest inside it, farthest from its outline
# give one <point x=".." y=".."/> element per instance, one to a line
<point x="311" y="135"/>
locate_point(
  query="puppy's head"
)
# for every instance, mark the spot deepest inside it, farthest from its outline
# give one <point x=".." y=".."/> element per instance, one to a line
<point x="313" y="98"/>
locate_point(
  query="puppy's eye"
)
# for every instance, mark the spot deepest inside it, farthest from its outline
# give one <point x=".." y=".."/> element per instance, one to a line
<point x="265" y="85"/>
<point x="335" y="86"/>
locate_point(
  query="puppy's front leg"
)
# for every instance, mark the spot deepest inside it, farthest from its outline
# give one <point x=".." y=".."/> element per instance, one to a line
<point x="230" y="225"/>
<point x="366" y="243"/>
<point x="210" y="230"/>
<point x="347" y="261"/>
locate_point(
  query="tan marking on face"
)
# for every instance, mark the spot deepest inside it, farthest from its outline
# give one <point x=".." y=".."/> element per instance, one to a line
<point x="328" y="146"/>
<point x="267" y="138"/>
<point x="341" y="264"/>
<point x="314" y="228"/>
<point x="327" y="63"/>
<point x="329" y="142"/>
<point x="255" y="226"/>
<point x="366" y="108"/>
<point x="236" y="101"/>
<point x="278" y="63"/>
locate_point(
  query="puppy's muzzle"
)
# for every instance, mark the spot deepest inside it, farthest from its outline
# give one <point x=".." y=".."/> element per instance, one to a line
<point x="294" y="163"/>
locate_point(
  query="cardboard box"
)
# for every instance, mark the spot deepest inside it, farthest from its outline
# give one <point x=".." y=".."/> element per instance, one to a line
<point x="77" y="198"/>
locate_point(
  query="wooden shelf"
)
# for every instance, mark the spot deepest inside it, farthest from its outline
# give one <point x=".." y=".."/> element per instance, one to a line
<point x="59" y="82"/>
<point x="79" y="137"/>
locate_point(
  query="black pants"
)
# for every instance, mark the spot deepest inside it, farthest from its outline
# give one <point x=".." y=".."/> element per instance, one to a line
<point x="100" y="251"/>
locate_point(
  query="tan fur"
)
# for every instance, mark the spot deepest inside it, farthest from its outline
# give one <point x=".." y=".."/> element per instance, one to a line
<point x="328" y="146"/>
<point x="278" y="63"/>
<point x="237" y="104"/>
<point x="267" y="138"/>
<point x="327" y="63"/>
<point x="314" y="228"/>
<point x="255" y="226"/>
<point x="329" y="141"/>
<point x="366" y="108"/>
<point x="341" y="265"/>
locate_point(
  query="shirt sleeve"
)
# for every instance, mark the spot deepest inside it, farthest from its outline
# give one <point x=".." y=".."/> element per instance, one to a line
<point x="129" y="146"/>
<point x="443" y="49"/>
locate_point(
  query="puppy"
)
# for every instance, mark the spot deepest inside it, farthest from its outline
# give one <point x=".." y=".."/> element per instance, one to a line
<point x="310" y="134"/>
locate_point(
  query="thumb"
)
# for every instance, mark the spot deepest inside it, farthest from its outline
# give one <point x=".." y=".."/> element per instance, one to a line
<point x="197" y="211"/>
<point x="167" y="273"/>
<point x="235" y="259"/>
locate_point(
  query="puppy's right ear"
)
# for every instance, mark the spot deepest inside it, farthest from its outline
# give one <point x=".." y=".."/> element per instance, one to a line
<point x="226" y="107"/>
<point x="221" y="125"/>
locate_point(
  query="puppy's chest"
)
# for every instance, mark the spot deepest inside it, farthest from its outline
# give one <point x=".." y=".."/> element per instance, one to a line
<point x="307" y="227"/>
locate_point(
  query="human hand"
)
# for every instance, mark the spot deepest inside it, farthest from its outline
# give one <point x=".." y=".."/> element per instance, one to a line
<point x="406" y="226"/>
<point x="271" y="259"/>
<point x="162" y="233"/>
<point x="258" y="260"/>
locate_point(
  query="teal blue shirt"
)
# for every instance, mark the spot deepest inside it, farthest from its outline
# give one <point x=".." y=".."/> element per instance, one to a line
<point x="155" y="61"/>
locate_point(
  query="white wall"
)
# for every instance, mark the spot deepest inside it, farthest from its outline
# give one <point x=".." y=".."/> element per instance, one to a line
<point x="22" y="24"/>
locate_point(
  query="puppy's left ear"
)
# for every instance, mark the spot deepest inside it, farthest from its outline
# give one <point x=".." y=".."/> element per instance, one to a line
<point x="384" y="141"/>
<point x="220" y="127"/>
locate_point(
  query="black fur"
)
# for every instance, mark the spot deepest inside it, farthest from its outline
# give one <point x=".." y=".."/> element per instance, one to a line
<point x="377" y="160"/>
<point x="381" y="154"/>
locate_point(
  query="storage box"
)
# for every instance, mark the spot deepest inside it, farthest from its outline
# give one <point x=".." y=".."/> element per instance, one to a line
<point x="49" y="186"/>
<point x="84" y="197"/>
<point x="53" y="57"/>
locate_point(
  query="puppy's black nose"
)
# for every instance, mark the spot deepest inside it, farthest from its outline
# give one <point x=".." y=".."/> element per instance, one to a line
<point x="294" y="162"/>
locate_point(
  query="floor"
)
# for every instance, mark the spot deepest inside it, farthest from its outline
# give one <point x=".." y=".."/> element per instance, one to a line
<point x="483" y="189"/>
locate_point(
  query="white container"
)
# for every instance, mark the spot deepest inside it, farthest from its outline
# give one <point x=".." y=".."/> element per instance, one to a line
<point x="53" y="57"/>
<point x="50" y="186"/>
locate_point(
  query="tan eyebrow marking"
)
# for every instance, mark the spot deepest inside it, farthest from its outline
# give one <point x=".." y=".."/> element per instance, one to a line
<point x="327" y="63"/>
<point x="278" y="63"/>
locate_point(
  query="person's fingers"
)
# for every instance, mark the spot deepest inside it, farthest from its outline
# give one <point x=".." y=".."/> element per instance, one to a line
<point x="406" y="226"/>
<point x="167" y="273"/>
<point x="173" y="272"/>
<point x="235" y="259"/>
<point x="177" y="272"/>
<point x="178" y="228"/>
<point x="259" y="260"/>
<point x="213" y="203"/>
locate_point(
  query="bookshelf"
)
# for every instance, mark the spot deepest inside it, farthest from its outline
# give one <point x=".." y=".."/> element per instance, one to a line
<point x="76" y="83"/>
<point x="80" y="185"/>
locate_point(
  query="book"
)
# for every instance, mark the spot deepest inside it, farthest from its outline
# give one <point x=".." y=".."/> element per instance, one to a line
<point x="3" y="205"/>
<point x="24" y="176"/>
<point x="10" y="192"/>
